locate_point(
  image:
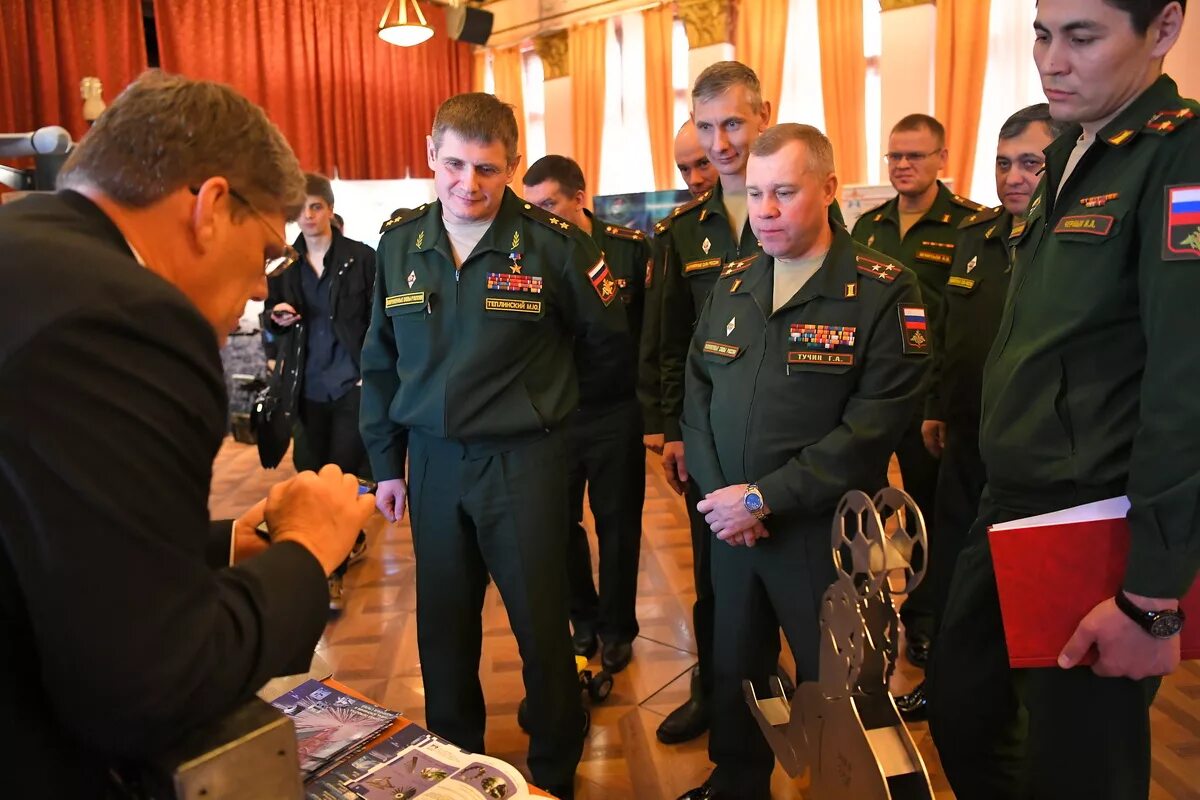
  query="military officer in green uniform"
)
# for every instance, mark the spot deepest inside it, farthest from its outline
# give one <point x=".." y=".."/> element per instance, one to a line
<point x="1089" y="392"/>
<point x="604" y="437"/>
<point x="806" y="363"/>
<point x="919" y="227"/>
<point x="975" y="294"/>
<point x="484" y="305"/>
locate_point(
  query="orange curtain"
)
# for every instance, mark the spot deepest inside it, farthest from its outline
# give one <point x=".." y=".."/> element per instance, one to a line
<point x="961" y="62"/>
<point x="479" y="69"/>
<point x="659" y="24"/>
<point x="844" y="85"/>
<point x="507" y="70"/>
<point x="759" y="40"/>
<point x="585" y="61"/>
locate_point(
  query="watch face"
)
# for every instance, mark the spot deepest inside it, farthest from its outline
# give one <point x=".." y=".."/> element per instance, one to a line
<point x="1166" y="625"/>
<point x="753" y="502"/>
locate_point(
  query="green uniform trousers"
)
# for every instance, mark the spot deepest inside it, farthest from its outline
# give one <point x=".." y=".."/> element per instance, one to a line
<point x="488" y="510"/>
<point x="1027" y="734"/>
<point x="607" y="456"/>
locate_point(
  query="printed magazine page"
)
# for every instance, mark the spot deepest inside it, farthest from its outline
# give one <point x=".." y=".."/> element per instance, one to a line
<point x="330" y="724"/>
<point x="432" y="769"/>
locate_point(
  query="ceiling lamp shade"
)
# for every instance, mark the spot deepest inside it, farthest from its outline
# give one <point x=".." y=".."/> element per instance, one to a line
<point x="401" y="31"/>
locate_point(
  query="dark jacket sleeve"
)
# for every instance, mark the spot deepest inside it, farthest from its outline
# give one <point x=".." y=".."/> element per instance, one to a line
<point x="704" y="466"/>
<point x="385" y="441"/>
<point x="649" y="377"/>
<point x="678" y="317"/>
<point x="888" y="394"/>
<point x="605" y="353"/>
<point x="103" y="512"/>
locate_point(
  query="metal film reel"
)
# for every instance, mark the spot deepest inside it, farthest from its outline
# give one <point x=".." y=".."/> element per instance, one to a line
<point x="900" y="513"/>
<point x="858" y="551"/>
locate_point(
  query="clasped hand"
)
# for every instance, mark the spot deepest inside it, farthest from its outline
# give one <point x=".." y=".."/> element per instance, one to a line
<point x="725" y="512"/>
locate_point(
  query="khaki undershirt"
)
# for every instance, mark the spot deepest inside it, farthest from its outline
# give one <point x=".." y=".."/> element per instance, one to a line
<point x="735" y="207"/>
<point x="910" y="218"/>
<point x="464" y="236"/>
<point x="790" y="275"/>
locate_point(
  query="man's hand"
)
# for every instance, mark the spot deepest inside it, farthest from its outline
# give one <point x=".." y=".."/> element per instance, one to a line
<point x="1126" y="650"/>
<point x="933" y="431"/>
<point x="654" y="442"/>
<point x="674" y="466"/>
<point x="284" y="314"/>
<point x="725" y="512"/>
<point x="246" y="541"/>
<point x="390" y="497"/>
<point x="323" y="512"/>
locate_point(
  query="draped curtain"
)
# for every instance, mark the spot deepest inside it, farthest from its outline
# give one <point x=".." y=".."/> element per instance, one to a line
<point x="479" y="70"/>
<point x="961" y="64"/>
<point x="585" y="61"/>
<point x="844" y="85"/>
<point x="659" y="25"/>
<point x="49" y="46"/>
<point x="345" y="99"/>
<point x="506" y="68"/>
<point x="760" y="41"/>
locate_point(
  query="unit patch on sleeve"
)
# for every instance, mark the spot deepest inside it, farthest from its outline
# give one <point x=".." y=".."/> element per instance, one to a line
<point x="913" y="329"/>
<point x="602" y="281"/>
<point x="1181" y="239"/>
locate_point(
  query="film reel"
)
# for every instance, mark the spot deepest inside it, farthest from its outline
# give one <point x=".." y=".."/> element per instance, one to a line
<point x="858" y="551"/>
<point x="904" y="527"/>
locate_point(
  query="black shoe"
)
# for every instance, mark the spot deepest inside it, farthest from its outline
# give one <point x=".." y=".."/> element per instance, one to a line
<point x="688" y="721"/>
<point x="584" y="639"/>
<point x="914" y="706"/>
<point x="918" y="649"/>
<point x="704" y="792"/>
<point x="616" y="655"/>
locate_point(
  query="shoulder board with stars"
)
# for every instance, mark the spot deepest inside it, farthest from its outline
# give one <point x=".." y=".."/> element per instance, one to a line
<point x="741" y="265"/>
<point x="980" y="217"/>
<point x="666" y="221"/>
<point x="1167" y="122"/>
<point x="546" y="218"/>
<point x="403" y="215"/>
<point x="965" y="203"/>
<point x="879" y="270"/>
<point x="621" y="232"/>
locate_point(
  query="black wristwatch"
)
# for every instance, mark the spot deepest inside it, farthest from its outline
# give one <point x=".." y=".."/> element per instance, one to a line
<point x="1159" y="624"/>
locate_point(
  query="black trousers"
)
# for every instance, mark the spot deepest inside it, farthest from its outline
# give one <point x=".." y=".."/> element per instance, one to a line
<point x="477" y="512"/>
<point x="780" y="582"/>
<point x="328" y="434"/>
<point x="920" y="473"/>
<point x="704" y="609"/>
<point x="1027" y="734"/>
<point x="961" y="478"/>
<point x="607" y="456"/>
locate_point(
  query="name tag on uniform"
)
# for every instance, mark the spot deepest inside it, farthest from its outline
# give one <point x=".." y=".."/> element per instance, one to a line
<point x="410" y="299"/>
<point x="1095" y="224"/>
<point x="937" y="258"/>
<point x="962" y="283"/>
<point x="821" y="359"/>
<point x="507" y="304"/>
<point x="696" y="266"/>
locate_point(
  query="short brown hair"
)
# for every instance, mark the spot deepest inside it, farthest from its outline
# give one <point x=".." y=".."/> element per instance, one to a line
<point x="478" y="117"/>
<point x="165" y="132"/>
<point x="722" y="76"/>
<point x="556" y="168"/>
<point x="917" y="122"/>
<point x="775" y="138"/>
<point x="317" y="185"/>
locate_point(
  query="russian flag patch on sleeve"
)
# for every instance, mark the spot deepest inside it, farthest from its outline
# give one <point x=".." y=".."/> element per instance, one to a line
<point x="914" y="330"/>
<point x="602" y="281"/>
<point x="1181" y="239"/>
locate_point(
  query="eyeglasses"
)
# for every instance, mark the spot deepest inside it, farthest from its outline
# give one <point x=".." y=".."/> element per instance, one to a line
<point x="912" y="158"/>
<point x="272" y="265"/>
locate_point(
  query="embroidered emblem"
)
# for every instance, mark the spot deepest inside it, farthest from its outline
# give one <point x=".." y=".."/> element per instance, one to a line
<point x="851" y="290"/>
<point x="822" y="337"/>
<point x="971" y="264"/>
<point x="1181" y="240"/>
<point x="737" y="284"/>
<point x="504" y="282"/>
<point x="1098" y="200"/>
<point x="730" y="326"/>
<point x="913" y="329"/>
<point x="516" y="240"/>
<point x="512" y="304"/>
<point x="412" y="278"/>
<point x="420" y="239"/>
<point x="1120" y="138"/>
<point x="720" y="349"/>
<point x="602" y="281"/>
<point x="990" y="232"/>
<point x="706" y="245"/>
<point x="1037" y="201"/>
<point x="1095" y="224"/>
<point x="410" y="299"/>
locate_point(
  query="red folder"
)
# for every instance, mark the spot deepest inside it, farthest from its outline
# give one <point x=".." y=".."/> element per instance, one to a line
<point x="1053" y="569"/>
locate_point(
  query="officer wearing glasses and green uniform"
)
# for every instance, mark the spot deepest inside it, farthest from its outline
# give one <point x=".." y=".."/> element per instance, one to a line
<point x="919" y="228"/>
<point x="489" y="314"/>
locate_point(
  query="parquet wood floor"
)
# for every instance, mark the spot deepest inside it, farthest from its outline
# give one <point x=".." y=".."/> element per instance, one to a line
<point x="373" y="648"/>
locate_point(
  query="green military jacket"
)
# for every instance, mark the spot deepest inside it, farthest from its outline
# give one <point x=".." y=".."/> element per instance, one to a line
<point x="1091" y="387"/>
<point x="627" y="253"/>
<point x="487" y="354"/>
<point x="975" y="293"/>
<point x="809" y="401"/>
<point x="928" y="247"/>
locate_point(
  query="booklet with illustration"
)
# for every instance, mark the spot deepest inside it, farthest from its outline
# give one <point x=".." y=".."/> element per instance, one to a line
<point x="330" y="724"/>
